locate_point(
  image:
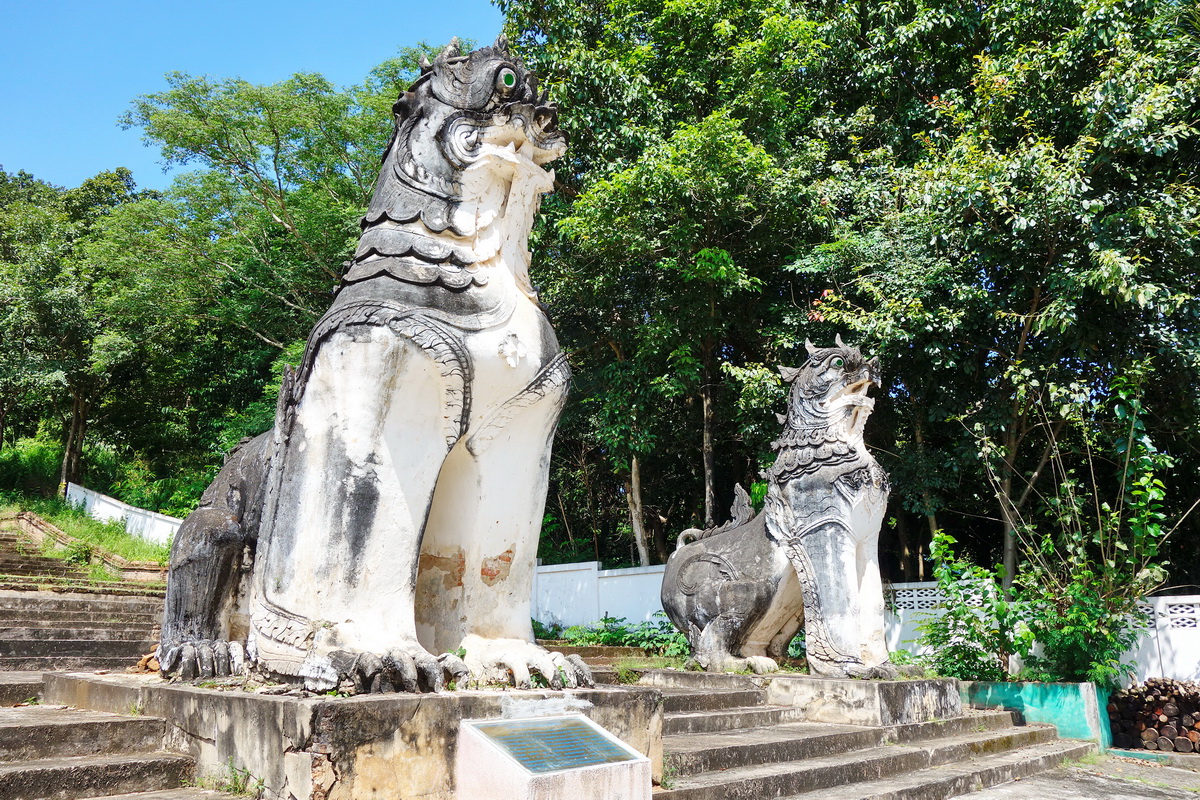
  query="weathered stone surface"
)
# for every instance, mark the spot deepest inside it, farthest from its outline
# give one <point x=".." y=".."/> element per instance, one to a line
<point x="842" y="701"/>
<point x="742" y="591"/>
<point x="393" y="512"/>
<point x="381" y="746"/>
<point x="859" y="702"/>
<point x="34" y="732"/>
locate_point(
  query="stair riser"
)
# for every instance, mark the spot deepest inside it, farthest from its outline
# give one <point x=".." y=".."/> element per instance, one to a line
<point x="44" y="604"/>
<point x="974" y="723"/>
<point x="698" y="681"/>
<point x="795" y="781"/>
<point x="32" y="618"/>
<point x="110" y="589"/>
<point x="711" y="701"/>
<point x="13" y="693"/>
<point x="60" y="663"/>
<point x="1020" y="737"/>
<point x="984" y="778"/>
<point x="67" y="783"/>
<point x="730" y="720"/>
<point x="74" y="648"/>
<point x="140" y="633"/>
<point x="29" y="742"/>
<point x="731" y="757"/>
<point x="34" y="571"/>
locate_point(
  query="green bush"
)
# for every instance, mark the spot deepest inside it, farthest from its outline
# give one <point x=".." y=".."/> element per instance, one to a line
<point x="30" y="467"/>
<point x="656" y="635"/>
<point x="979" y="628"/>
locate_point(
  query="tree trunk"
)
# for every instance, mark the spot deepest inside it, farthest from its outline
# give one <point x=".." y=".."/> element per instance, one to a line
<point x="658" y="535"/>
<point x="710" y="480"/>
<point x="921" y="549"/>
<point x="1010" y="532"/>
<point x="633" y="494"/>
<point x="73" y="452"/>
<point x="907" y="560"/>
<point x="926" y="500"/>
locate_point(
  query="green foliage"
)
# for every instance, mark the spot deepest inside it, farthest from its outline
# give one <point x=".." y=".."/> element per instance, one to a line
<point x="75" y="522"/>
<point x="980" y="628"/>
<point x="657" y="635"/>
<point x="1093" y="559"/>
<point x="541" y="631"/>
<point x="1086" y="563"/>
<point x="798" y="646"/>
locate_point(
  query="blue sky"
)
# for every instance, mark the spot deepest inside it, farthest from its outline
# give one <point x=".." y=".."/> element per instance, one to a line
<point x="69" y="68"/>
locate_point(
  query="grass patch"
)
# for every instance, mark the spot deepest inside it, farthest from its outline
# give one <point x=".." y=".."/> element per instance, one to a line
<point x="110" y="536"/>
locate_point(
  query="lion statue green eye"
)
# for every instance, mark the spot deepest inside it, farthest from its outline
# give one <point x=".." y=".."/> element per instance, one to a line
<point x="506" y="80"/>
<point x="837" y="362"/>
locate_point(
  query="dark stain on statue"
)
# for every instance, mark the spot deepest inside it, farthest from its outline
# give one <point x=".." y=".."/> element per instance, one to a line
<point x="362" y="502"/>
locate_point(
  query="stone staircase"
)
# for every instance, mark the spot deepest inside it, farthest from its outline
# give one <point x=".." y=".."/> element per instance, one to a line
<point x="63" y="753"/>
<point x="728" y="744"/>
<point x="21" y="561"/>
<point x="52" y="617"/>
<point x="46" y="630"/>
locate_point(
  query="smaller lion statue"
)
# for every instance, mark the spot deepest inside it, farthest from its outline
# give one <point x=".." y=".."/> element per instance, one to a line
<point x="742" y="591"/>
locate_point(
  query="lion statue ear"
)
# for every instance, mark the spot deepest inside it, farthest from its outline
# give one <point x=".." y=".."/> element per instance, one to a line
<point x="837" y="339"/>
<point x="809" y="346"/>
<point x="789" y="373"/>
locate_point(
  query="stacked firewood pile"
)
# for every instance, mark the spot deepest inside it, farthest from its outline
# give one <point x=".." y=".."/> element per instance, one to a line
<point x="1161" y="714"/>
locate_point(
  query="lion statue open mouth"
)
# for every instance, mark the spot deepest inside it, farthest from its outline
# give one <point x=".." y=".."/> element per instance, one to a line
<point x="387" y="526"/>
<point x="741" y="592"/>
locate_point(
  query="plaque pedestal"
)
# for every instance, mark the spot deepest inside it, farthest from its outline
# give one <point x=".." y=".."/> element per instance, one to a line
<point x="386" y="747"/>
<point x="547" y="758"/>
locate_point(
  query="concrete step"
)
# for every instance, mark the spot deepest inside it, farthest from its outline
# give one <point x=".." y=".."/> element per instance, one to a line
<point x="54" y="601"/>
<point x="186" y="793"/>
<point x="32" y="618"/>
<point x="954" y="780"/>
<point x="691" y="754"/>
<point x="696" y="681"/>
<point x="730" y="719"/>
<point x="761" y="780"/>
<point x="67" y="663"/>
<point x="93" y="776"/>
<point x="17" y="687"/>
<point x="29" y="733"/>
<point x="682" y="700"/>
<point x="54" y="648"/>
<point x="77" y="586"/>
<point x="694" y="753"/>
<point x="138" y="633"/>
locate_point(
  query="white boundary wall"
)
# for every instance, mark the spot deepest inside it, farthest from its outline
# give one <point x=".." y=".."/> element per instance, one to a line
<point x="147" y="524"/>
<point x="580" y="594"/>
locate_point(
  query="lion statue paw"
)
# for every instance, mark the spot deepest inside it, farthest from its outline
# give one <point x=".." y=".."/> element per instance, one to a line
<point x="516" y="662"/>
<point x="189" y="659"/>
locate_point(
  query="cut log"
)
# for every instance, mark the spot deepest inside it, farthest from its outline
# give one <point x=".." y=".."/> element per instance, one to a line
<point x="1150" y="735"/>
<point x="1183" y="744"/>
<point x="1165" y="744"/>
<point x="1168" y="731"/>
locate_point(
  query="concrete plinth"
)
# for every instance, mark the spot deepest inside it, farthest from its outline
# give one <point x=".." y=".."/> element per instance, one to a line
<point x="388" y="747"/>
<point x="866" y="702"/>
<point x="843" y="701"/>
